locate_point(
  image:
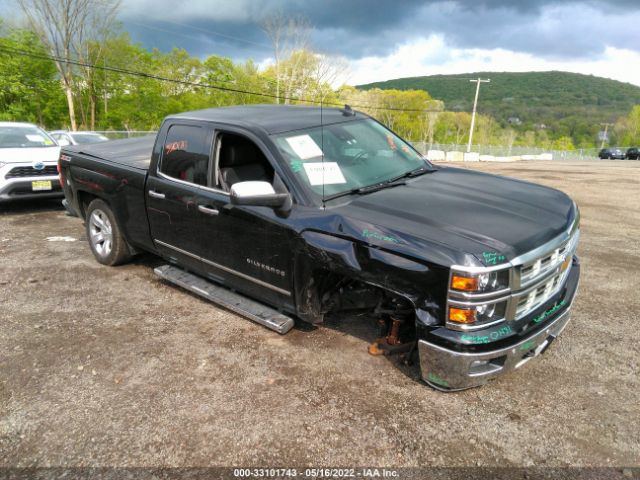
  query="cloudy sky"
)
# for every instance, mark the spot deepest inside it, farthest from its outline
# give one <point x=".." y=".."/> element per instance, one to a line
<point x="384" y="39"/>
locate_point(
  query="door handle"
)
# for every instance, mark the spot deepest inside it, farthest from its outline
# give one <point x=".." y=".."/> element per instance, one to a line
<point x="154" y="194"/>
<point x="208" y="211"/>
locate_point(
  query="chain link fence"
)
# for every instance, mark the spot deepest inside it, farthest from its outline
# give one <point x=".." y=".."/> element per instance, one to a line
<point x="424" y="147"/>
<point x="120" y="134"/>
<point x="514" y="151"/>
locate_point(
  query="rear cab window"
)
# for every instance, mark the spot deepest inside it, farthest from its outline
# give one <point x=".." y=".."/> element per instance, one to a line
<point x="186" y="154"/>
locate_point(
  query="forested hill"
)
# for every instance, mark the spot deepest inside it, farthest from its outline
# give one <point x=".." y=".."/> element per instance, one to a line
<point x="560" y="100"/>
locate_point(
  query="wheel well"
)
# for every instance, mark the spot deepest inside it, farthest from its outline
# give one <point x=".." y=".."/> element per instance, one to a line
<point x="342" y="298"/>
<point x="336" y="292"/>
<point x="84" y="199"/>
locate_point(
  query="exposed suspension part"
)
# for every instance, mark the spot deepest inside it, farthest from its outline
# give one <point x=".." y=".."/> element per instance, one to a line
<point x="391" y="324"/>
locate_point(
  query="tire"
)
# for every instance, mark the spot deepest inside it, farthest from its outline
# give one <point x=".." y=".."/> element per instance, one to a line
<point x="104" y="235"/>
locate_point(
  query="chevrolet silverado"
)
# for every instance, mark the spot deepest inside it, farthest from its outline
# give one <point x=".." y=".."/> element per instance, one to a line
<point x="283" y="212"/>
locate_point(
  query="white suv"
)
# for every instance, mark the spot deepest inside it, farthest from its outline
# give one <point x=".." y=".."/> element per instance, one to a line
<point x="28" y="163"/>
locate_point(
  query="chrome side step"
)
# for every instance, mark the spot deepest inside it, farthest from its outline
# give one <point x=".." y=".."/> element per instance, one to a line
<point x="235" y="302"/>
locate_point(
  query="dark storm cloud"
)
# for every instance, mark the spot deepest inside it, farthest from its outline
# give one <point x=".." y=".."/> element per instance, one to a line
<point x="358" y="28"/>
<point x="352" y="28"/>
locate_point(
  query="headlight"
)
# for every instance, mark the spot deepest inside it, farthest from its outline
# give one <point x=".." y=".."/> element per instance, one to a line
<point x="480" y="282"/>
<point x="478" y="314"/>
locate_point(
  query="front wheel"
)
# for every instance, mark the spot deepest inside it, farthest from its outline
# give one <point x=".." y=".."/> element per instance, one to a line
<point x="105" y="239"/>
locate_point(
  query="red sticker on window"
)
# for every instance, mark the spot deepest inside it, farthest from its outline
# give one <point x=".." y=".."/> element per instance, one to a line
<point x="392" y="144"/>
<point x="174" y="146"/>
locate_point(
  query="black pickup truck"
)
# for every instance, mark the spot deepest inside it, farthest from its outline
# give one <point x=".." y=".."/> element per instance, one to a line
<point x="283" y="212"/>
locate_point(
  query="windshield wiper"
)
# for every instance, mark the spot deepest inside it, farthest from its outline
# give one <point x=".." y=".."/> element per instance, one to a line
<point x="416" y="172"/>
<point x="365" y="190"/>
<point x="393" y="182"/>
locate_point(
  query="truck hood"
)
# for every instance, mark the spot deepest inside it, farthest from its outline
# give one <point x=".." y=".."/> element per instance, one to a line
<point x="467" y="217"/>
<point x="29" y="155"/>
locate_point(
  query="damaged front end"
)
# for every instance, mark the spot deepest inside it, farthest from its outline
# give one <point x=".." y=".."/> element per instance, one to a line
<point x="467" y="324"/>
<point x="339" y="276"/>
<point x="490" y="332"/>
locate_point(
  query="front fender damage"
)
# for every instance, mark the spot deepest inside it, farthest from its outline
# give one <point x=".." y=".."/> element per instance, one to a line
<point x="335" y="274"/>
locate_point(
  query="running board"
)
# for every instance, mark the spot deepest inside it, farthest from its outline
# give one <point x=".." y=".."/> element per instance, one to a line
<point x="235" y="302"/>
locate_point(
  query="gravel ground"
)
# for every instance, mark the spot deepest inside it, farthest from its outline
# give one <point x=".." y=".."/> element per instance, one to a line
<point x="108" y="366"/>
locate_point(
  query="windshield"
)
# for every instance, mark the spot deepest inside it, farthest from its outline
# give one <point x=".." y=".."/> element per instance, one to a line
<point x="84" y="138"/>
<point x="24" y="137"/>
<point x="357" y="154"/>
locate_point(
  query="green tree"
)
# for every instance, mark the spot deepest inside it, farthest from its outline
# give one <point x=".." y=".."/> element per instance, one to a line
<point x="403" y="111"/>
<point x="627" y="129"/>
<point x="563" y="143"/>
<point x="127" y="101"/>
<point x="304" y="76"/>
<point x="453" y="127"/>
<point x="66" y="28"/>
<point x="29" y="87"/>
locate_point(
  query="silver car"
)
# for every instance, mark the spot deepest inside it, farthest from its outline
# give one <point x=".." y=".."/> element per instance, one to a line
<point x="65" y="138"/>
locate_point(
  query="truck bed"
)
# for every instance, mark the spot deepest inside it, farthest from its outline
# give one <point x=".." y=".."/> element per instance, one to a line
<point x="130" y="152"/>
<point x="115" y="171"/>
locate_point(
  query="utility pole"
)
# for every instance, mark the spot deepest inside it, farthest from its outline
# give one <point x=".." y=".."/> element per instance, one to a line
<point x="475" y="106"/>
<point x="604" y="135"/>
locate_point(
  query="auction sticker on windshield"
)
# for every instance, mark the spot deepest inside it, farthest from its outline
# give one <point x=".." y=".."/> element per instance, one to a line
<point x="35" y="138"/>
<point x="327" y="173"/>
<point x="304" y="146"/>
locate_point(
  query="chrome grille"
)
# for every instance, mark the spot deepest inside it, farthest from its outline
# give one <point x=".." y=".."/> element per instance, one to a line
<point x="535" y="277"/>
<point x="538" y="295"/>
<point x="538" y="268"/>
<point x="17" y="172"/>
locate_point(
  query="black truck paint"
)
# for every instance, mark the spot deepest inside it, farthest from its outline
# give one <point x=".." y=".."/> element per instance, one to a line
<point x="391" y="252"/>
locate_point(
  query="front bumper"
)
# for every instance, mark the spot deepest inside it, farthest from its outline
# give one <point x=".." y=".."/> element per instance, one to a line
<point x="446" y="369"/>
<point x="20" y="188"/>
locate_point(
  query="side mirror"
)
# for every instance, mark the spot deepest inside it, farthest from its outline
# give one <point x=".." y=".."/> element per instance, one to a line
<point x="257" y="194"/>
<point x="63" y="143"/>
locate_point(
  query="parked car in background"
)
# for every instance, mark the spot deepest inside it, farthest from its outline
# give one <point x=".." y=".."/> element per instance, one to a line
<point x="65" y="138"/>
<point x="28" y="162"/>
<point x="611" y="153"/>
<point x="633" y="153"/>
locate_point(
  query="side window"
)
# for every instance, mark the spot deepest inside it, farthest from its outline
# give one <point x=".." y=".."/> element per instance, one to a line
<point x="240" y="160"/>
<point x="186" y="154"/>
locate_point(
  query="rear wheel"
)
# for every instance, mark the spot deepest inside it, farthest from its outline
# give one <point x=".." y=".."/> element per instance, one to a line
<point x="105" y="238"/>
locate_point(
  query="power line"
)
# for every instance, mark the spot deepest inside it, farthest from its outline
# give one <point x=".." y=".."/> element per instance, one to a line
<point x="151" y="27"/>
<point x="187" y="35"/>
<point x="15" y="51"/>
<point x="231" y="37"/>
<point x="123" y="71"/>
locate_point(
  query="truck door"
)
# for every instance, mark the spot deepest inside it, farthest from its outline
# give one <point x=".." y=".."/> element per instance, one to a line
<point x="250" y="246"/>
<point x="193" y="223"/>
<point x="173" y="192"/>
